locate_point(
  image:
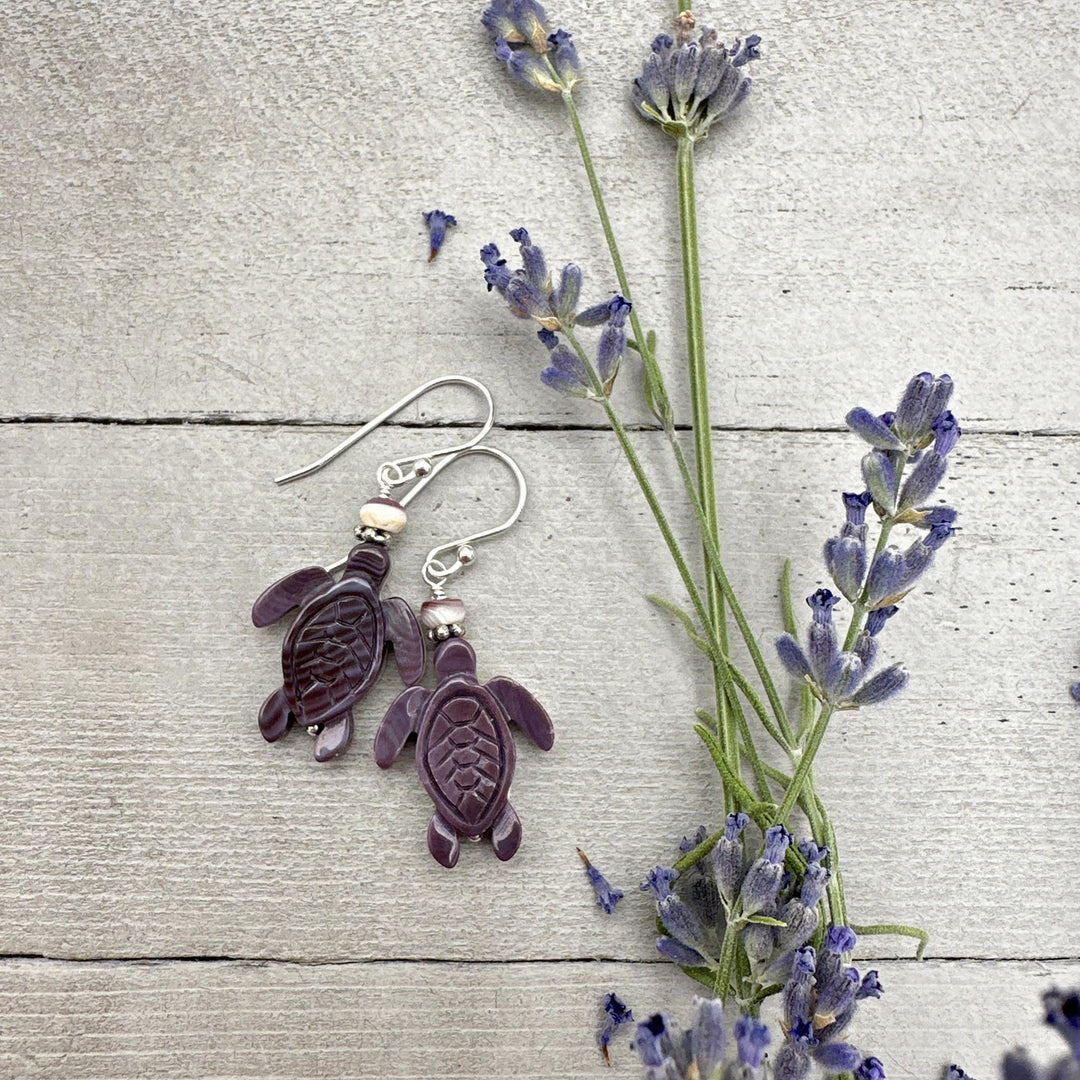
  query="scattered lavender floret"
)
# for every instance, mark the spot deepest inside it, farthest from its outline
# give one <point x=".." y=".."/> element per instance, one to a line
<point x="1074" y="691"/>
<point x="690" y="81"/>
<point x="606" y="895"/>
<point x="616" y="1012"/>
<point x="437" y="223"/>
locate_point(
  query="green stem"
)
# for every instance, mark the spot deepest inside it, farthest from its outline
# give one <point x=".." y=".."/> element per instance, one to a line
<point x="806" y="761"/>
<point x="699" y="403"/>
<point x="921" y="936"/>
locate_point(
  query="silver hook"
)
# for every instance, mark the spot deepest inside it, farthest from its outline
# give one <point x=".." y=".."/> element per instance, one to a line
<point x="390" y="474"/>
<point x="435" y="572"/>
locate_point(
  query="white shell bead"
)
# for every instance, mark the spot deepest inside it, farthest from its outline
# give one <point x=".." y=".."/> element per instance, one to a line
<point x="383" y="514"/>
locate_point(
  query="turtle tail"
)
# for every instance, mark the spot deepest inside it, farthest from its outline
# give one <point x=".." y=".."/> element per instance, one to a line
<point x="274" y="716"/>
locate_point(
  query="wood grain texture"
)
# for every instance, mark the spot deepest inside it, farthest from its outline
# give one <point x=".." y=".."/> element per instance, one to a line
<point x="146" y="817"/>
<point x="224" y="1021"/>
<point x="215" y="211"/>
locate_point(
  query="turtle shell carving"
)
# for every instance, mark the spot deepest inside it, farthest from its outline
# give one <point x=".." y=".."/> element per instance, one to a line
<point x="333" y="652"/>
<point x="466" y="756"/>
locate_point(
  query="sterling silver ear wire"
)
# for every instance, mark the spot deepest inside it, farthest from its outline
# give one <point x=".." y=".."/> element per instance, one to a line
<point x="465" y="753"/>
<point x="333" y="652"/>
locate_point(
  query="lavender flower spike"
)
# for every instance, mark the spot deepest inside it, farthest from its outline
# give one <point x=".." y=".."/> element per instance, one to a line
<point x="764" y="877"/>
<point x="689" y="83"/>
<point x="606" y="896"/>
<point x="437" y="223"/>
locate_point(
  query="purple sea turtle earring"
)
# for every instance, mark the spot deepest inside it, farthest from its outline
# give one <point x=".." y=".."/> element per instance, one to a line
<point x="464" y="750"/>
<point x="334" y="650"/>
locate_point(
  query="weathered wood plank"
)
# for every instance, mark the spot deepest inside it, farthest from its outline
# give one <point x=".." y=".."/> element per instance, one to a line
<point x="224" y="1021"/>
<point x="144" y="815"/>
<point x="221" y="216"/>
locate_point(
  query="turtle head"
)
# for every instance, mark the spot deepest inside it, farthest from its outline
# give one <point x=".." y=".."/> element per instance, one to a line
<point x="368" y="560"/>
<point x="454" y="656"/>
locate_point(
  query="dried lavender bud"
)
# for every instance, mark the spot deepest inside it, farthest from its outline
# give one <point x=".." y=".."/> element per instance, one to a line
<point x="437" y="223"/>
<point x="728" y="857"/>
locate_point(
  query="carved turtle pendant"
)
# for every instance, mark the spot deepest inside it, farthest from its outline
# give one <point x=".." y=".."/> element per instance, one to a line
<point x="464" y="751"/>
<point x="334" y="651"/>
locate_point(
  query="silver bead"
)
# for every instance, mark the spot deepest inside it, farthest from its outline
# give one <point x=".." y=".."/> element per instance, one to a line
<point x="466" y="554"/>
<point x="314" y="730"/>
<point x="456" y="630"/>
<point x="422" y="467"/>
<point x="442" y="633"/>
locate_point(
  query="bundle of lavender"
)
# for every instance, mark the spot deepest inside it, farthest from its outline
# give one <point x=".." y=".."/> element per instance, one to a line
<point x="755" y="908"/>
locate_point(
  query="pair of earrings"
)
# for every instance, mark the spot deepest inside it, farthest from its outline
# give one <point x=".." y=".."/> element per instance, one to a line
<point x="334" y="651"/>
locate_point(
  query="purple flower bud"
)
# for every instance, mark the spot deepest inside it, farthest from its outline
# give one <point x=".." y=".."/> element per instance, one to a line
<point x="884" y="685"/>
<point x="815" y="878"/>
<point x="840" y="940"/>
<point x="527" y="301"/>
<point x="845" y="558"/>
<point x="707" y="1038"/>
<point x="821" y="604"/>
<point x="792" y="1062"/>
<point x="763" y="879"/>
<point x="836" y="994"/>
<point x="792" y="657"/>
<point x="877" y="619"/>
<point x="596" y="315"/>
<point x="496" y="274"/>
<point x="866" y="649"/>
<point x="616" y="1013"/>
<point x="688" y="843"/>
<point x="954" y="1072"/>
<point x="926" y="517"/>
<point x="1017" y="1065"/>
<point x="437" y="223"/>
<point x="912" y="417"/>
<point x="870" y="1069"/>
<point x="1063" y="1015"/>
<point x="681" y="923"/>
<point x="659" y="882"/>
<point x="565" y="297"/>
<point x="751" y="1038"/>
<point x="924" y="479"/>
<point x="870" y="987"/>
<point x="678" y="953"/>
<point x="940" y="395"/>
<point x="1074" y="691"/>
<point x="795" y="999"/>
<point x="652" y="1039"/>
<point x="800" y="920"/>
<point x="742" y="52"/>
<point x="873" y="430"/>
<point x="885" y="576"/>
<point x="566" y="374"/>
<point x="566" y="58"/>
<point x="759" y="940"/>
<point x="880" y="476"/>
<point x="533" y="259"/>
<point x="946" y="433"/>
<point x="728" y="857"/>
<point x="609" y="354"/>
<point x="812" y="853"/>
<point x="525" y="66"/>
<point x="606" y="896"/>
<point x="844" y="674"/>
<point x="499" y="22"/>
<point x="855" y="506"/>
<point x="837" y="1057"/>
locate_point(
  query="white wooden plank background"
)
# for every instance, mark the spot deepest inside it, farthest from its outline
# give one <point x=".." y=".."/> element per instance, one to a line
<point x="211" y="215"/>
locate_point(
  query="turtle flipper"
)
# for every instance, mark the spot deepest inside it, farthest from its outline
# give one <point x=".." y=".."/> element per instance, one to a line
<point x="506" y="833"/>
<point x="335" y="737"/>
<point x="287" y="593"/>
<point x="442" y="842"/>
<point x="403" y="632"/>
<point x="275" y="716"/>
<point x="398" y="724"/>
<point x="525" y="710"/>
